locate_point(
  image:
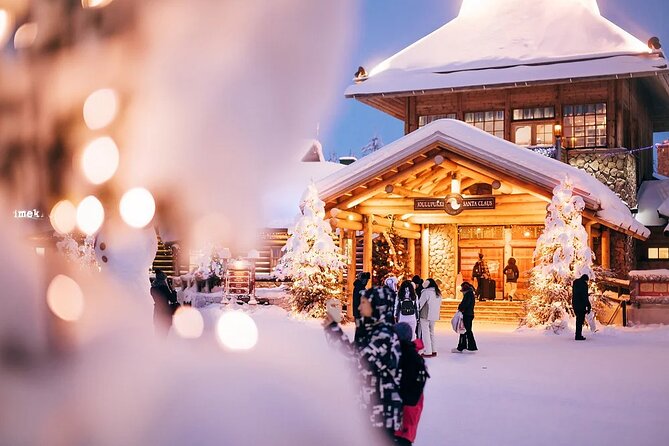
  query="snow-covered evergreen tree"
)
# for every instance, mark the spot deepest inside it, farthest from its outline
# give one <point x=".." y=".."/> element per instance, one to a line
<point x="311" y="259"/>
<point x="562" y="255"/>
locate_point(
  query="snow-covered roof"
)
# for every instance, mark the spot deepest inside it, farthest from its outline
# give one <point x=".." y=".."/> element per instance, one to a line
<point x="315" y="152"/>
<point x="495" y="154"/>
<point x="500" y="42"/>
<point x="653" y="196"/>
<point x="650" y="274"/>
<point x="281" y="201"/>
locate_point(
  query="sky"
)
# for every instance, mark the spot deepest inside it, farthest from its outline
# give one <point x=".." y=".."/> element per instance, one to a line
<point x="385" y="27"/>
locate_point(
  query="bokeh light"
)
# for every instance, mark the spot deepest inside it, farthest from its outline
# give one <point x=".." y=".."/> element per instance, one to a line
<point x="95" y="3"/>
<point x="6" y="25"/>
<point x="100" y="160"/>
<point x="237" y="331"/>
<point x="188" y="323"/>
<point x="100" y="108"/>
<point x="65" y="298"/>
<point x="137" y="207"/>
<point x="25" y="36"/>
<point x="63" y="217"/>
<point x="90" y="215"/>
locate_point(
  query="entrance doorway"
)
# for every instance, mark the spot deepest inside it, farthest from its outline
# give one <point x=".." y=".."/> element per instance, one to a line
<point x="494" y="257"/>
<point x="524" y="261"/>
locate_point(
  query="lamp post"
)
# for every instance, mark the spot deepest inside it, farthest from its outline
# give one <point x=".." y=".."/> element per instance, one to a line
<point x="557" y="131"/>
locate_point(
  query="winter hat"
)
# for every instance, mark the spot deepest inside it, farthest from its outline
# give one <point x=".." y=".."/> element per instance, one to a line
<point x="382" y="301"/>
<point x="404" y="331"/>
<point x="391" y="282"/>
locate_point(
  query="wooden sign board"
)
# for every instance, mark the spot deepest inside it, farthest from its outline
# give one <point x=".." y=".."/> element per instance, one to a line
<point x="438" y="204"/>
<point x="479" y="203"/>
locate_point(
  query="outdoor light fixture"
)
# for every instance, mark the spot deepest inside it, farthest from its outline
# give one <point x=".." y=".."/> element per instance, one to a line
<point x="360" y="75"/>
<point x="455" y="184"/>
<point x="557" y="131"/>
<point x="654" y="43"/>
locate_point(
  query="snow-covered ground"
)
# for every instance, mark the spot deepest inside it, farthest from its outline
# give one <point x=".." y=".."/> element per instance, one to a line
<point x="532" y="387"/>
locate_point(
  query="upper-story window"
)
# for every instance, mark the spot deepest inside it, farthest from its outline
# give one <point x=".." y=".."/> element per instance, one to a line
<point x="424" y="120"/>
<point x="584" y="125"/>
<point x="489" y="121"/>
<point x="533" y="126"/>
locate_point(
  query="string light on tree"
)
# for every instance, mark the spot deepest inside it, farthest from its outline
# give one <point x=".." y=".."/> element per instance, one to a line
<point x="562" y="254"/>
<point x="100" y="108"/>
<point x="90" y="215"/>
<point x="311" y="259"/>
<point x="63" y="217"/>
<point x="137" y="207"/>
<point x="100" y="160"/>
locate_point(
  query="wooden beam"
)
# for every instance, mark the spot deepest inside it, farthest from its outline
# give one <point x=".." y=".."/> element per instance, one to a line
<point x="478" y="219"/>
<point x="345" y="224"/>
<point x="395" y="178"/>
<point x="425" y="252"/>
<point x="403" y="191"/>
<point x="345" y="215"/>
<point x="401" y="232"/>
<point x="606" y="248"/>
<point x="367" y="245"/>
<point x="411" y="247"/>
<point x="397" y="225"/>
<point x="351" y="272"/>
<point x="510" y="208"/>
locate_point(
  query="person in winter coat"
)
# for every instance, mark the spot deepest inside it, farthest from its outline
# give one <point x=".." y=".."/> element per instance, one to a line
<point x="376" y="355"/>
<point x="581" y="303"/>
<point x="412" y="366"/>
<point x="164" y="303"/>
<point x="511" y="274"/>
<point x="418" y="284"/>
<point x="429" y="305"/>
<point x="481" y="273"/>
<point x="466" y="306"/>
<point x="391" y="282"/>
<point x="407" y="306"/>
<point x="359" y="286"/>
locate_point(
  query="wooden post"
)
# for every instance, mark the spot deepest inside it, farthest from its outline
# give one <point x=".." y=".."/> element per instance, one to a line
<point x="367" y="245"/>
<point x="411" y="246"/>
<point x="588" y="230"/>
<point x="350" y="244"/>
<point x="606" y="248"/>
<point x="425" y="252"/>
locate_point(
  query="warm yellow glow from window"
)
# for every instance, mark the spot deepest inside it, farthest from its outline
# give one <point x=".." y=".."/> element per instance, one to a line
<point x="95" y="3"/>
<point x="526" y="233"/>
<point x="137" y="207"/>
<point x="63" y="217"/>
<point x="188" y="323"/>
<point x="653" y="253"/>
<point x="236" y="330"/>
<point x="25" y="36"/>
<point x="100" y="160"/>
<point x="100" y="108"/>
<point x="90" y="215"/>
<point x="64" y="298"/>
<point x="663" y="253"/>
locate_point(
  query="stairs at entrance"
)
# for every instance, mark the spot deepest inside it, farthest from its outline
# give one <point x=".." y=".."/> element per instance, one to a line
<point x="496" y="311"/>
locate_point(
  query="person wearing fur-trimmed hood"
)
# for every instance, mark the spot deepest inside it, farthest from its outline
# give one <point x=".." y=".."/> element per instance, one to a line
<point x="375" y="354"/>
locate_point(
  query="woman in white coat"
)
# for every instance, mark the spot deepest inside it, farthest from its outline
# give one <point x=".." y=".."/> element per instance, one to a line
<point x="429" y="305"/>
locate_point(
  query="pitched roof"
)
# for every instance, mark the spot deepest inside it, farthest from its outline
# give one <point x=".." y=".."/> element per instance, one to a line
<point x="493" y="42"/>
<point x="653" y="197"/>
<point x="495" y="155"/>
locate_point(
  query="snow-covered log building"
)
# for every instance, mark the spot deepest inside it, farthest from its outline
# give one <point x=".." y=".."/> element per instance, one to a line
<point x="568" y="100"/>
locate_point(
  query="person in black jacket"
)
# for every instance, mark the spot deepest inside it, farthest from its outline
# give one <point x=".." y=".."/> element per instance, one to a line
<point x="418" y="283"/>
<point x="359" y="286"/>
<point x="467" y="340"/>
<point x="164" y="303"/>
<point x="581" y="303"/>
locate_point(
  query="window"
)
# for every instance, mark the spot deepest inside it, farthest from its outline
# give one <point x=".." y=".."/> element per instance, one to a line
<point x="489" y="121"/>
<point x="423" y="120"/>
<point x="584" y="125"/>
<point x="658" y="253"/>
<point x="525" y="114"/>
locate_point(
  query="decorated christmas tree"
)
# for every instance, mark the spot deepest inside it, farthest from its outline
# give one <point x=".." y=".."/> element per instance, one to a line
<point x="311" y="259"/>
<point x="562" y="255"/>
<point x="389" y="256"/>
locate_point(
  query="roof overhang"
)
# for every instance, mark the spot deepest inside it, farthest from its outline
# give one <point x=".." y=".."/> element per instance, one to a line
<point x="421" y="164"/>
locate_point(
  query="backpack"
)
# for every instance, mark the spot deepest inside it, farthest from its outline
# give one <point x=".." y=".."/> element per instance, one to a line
<point x="510" y="273"/>
<point x="407" y="307"/>
<point x="414" y="376"/>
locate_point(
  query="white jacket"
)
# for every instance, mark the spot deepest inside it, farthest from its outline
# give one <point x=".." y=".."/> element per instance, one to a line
<point x="432" y="302"/>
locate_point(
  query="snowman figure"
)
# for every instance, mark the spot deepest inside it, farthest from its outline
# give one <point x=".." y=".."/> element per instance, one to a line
<point x="125" y="256"/>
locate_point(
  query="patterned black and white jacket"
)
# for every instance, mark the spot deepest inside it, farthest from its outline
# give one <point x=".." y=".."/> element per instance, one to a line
<point x="376" y="354"/>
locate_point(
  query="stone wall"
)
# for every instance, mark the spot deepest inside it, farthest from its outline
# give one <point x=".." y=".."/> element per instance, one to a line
<point x="618" y="172"/>
<point x="442" y="256"/>
<point x="663" y="161"/>
<point x="622" y="254"/>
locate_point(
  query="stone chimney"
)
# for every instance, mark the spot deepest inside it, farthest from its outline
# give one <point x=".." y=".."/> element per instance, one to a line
<point x="663" y="158"/>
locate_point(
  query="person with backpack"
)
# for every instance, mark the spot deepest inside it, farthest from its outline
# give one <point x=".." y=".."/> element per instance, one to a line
<point x="511" y="274"/>
<point x="406" y="307"/>
<point x="481" y="273"/>
<point x="412" y="383"/>
<point x="376" y="355"/>
<point x="429" y="306"/>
